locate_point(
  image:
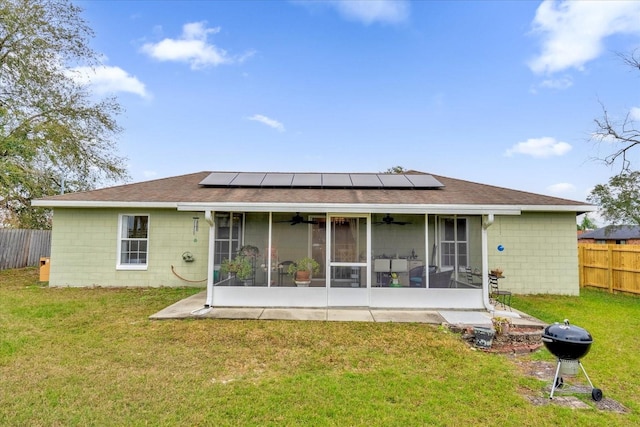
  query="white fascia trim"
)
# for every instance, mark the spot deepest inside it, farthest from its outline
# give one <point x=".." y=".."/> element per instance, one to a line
<point x="92" y="204"/>
<point x="560" y="208"/>
<point x="355" y="208"/>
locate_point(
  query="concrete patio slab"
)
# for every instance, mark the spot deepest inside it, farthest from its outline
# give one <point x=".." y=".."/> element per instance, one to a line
<point x="193" y="307"/>
<point x="459" y="317"/>
<point x="242" y="313"/>
<point x="349" y="315"/>
<point x="294" y="314"/>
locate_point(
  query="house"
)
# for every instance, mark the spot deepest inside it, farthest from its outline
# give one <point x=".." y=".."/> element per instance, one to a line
<point x="612" y="235"/>
<point x="412" y="240"/>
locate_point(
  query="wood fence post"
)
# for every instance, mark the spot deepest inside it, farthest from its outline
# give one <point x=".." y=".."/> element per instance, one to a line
<point x="610" y="254"/>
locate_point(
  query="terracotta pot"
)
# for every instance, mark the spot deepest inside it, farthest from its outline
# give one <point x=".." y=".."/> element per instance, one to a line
<point x="303" y="276"/>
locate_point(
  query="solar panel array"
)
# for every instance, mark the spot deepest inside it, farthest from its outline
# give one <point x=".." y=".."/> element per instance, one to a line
<point x="319" y="180"/>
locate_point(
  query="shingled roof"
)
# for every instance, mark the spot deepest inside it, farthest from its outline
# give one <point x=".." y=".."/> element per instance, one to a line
<point x="613" y="232"/>
<point x="187" y="189"/>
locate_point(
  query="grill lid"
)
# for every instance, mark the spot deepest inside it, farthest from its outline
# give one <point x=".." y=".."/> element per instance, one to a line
<point x="567" y="333"/>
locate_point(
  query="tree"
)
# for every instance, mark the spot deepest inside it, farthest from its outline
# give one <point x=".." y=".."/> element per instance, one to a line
<point x="395" y="170"/>
<point x="622" y="134"/>
<point x="586" y="224"/>
<point x="619" y="200"/>
<point x="53" y="135"/>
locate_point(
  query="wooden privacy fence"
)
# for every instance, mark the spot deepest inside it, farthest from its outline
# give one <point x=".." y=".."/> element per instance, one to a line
<point x="23" y="248"/>
<point x="612" y="267"/>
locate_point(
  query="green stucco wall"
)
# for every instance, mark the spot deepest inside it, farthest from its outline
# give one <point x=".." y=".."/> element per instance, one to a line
<point x="84" y="249"/>
<point x="540" y="252"/>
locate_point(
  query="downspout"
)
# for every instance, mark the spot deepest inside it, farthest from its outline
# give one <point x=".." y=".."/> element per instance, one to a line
<point x="210" y="265"/>
<point x="486" y="223"/>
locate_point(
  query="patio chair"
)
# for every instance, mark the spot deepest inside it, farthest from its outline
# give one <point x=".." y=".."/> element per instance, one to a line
<point x="416" y="277"/>
<point x="471" y="279"/>
<point x="283" y="273"/>
<point x="441" y="279"/>
<point x="497" y="295"/>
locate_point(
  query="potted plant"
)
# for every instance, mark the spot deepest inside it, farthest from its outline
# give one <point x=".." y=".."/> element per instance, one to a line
<point x="302" y="268"/>
<point x="502" y="325"/>
<point x="240" y="267"/>
<point x="249" y="251"/>
<point x="394" y="279"/>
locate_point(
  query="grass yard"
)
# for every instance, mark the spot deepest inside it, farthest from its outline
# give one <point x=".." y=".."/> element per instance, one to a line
<point x="91" y="357"/>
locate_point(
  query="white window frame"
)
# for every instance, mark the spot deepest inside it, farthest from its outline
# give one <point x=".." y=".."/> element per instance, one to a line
<point x="120" y="239"/>
<point x="455" y="242"/>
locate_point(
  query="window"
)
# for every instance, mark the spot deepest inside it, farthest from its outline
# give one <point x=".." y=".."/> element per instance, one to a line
<point x="454" y="242"/>
<point x="228" y="236"/>
<point x="133" y="242"/>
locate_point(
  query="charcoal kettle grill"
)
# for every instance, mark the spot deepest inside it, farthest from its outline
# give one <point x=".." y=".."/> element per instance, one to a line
<point x="569" y="343"/>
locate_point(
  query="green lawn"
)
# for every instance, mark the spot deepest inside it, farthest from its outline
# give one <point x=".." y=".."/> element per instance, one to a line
<point x="91" y="357"/>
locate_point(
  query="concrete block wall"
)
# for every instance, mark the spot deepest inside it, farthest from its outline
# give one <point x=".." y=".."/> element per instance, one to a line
<point x="84" y="249"/>
<point x="540" y="253"/>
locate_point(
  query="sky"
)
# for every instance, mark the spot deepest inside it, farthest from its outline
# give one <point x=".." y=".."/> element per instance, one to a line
<point x="498" y="92"/>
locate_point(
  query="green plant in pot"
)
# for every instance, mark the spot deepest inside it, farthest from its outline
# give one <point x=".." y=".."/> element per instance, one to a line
<point x="240" y="267"/>
<point x="302" y="268"/>
<point x="501" y="325"/>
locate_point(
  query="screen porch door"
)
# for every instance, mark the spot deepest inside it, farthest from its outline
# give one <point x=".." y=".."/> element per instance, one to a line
<point x="347" y="255"/>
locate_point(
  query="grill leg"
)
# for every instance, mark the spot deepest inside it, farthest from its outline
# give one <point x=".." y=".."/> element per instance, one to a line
<point x="555" y="380"/>
<point x="585" y="374"/>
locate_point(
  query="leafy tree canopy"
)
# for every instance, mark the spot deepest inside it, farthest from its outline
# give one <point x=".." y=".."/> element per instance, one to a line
<point x="395" y="170"/>
<point x="619" y="200"/>
<point x="53" y="134"/>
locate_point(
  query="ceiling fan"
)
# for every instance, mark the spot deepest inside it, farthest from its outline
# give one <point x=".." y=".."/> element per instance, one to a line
<point x="299" y="219"/>
<point x="388" y="220"/>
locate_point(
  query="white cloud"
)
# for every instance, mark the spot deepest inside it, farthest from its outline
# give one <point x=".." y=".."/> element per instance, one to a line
<point x="634" y="114"/>
<point x="561" y="188"/>
<point x="267" y="121"/>
<point x="370" y="11"/>
<point x="560" y="83"/>
<point x="193" y="48"/>
<point x="366" y="11"/>
<point x="539" y="147"/>
<point x="106" y="79"/>
<point x="573" y="32"/>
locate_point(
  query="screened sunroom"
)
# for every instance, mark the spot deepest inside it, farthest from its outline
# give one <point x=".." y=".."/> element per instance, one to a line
<point x="372" y="259"/>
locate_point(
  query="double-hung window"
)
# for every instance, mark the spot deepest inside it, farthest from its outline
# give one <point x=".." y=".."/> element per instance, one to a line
<point x="133" y="242"/>
<point x="454" y="242"/>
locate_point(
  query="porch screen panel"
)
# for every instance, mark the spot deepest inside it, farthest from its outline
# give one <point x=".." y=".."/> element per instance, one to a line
<point x="296" y="236"/>
<point x="255" y="241"/>
<point x="228" y="237"/>
<point x="348" y="252"/>
<point x="398" y="250"/>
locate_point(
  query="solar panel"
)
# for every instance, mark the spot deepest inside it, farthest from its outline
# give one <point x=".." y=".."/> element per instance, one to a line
<point x="248" y="179"/>
<point x="336" y="180"/>
<point x="370" y="180"/>
<point x="319" y="180"/>
<point x="278" y="180"/>
<point x="307" y="180"/>
<point x="219" y="178"/>
<point x="424" y="181"/>
<point x="394" y="180"/>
